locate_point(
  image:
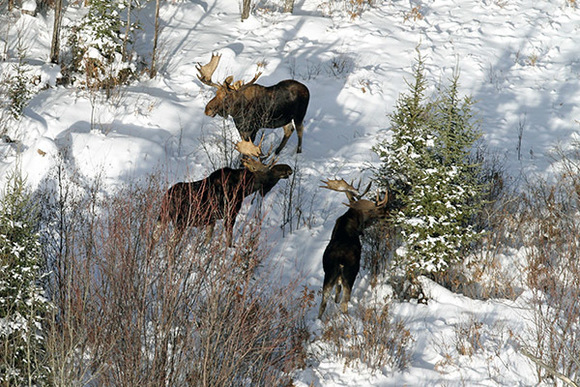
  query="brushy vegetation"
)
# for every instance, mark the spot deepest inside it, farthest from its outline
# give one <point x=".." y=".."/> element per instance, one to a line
<point x="371" y="336"/>
<point x="549" y="230"/>
<point x="131" y="310"/>
<point x="125" y="309"/>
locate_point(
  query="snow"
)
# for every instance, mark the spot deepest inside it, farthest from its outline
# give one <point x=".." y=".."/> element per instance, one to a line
<point x="518" y="59"/>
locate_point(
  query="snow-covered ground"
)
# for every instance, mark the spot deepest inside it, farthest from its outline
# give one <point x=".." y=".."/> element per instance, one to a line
<point x="518" y="59"/>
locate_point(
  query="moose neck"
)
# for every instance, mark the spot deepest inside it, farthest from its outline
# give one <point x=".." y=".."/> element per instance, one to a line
<point x="349" y="225"/>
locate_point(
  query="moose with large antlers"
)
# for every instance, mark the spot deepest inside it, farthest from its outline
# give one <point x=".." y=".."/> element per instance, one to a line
<point x="221" y="194"/>
<point x="254" y="107"/>
<point x="341" y="258"/>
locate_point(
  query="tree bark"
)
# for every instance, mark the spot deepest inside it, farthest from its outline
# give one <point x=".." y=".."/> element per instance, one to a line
<point x="55" y="43"/>
<point x="153" y="68"/>
<point x="127" y="29"/>
<point x="246" y="9"/>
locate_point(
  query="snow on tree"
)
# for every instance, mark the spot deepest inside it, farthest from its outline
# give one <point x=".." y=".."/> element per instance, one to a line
<point x="22" y="304"/>
<point x="428" y="165"/>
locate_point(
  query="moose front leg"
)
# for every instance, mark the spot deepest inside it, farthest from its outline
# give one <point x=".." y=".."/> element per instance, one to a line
<point x="208" y="233"/>
<point x="288" y="130"/>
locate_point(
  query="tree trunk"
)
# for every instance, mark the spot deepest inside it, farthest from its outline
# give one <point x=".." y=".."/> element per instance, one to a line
<point x="127" y="29"/>
<point x="55" y="43"/>
<point x="246" y="9"/>
<point x="153" y="68"/>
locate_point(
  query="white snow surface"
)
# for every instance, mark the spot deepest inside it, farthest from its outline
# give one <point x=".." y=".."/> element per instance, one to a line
<point x="519" y="59"/>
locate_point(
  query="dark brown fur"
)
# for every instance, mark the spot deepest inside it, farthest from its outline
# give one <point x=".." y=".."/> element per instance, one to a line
<point x="254" y="107"/>
<point x="341" y="259"/>
<point x="218" y="196"/>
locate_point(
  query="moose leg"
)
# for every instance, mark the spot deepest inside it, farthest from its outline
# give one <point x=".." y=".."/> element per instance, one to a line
<point x="348" y="277"/>
<point x="208" y="233"/>
<point x="288" y="129"/>
<point x="338" y="289"/>
<point x="330" y="279"/>
<point x="299" y="132"/>
<point x="229" y="225"/>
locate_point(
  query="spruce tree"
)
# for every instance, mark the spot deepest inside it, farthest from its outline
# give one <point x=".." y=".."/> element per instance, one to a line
<point x="22" y="304"/>
<point x="427" y="165"/>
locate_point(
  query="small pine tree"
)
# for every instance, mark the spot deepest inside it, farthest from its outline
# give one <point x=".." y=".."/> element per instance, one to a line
<point x="427" y="164"/>
<point x="98" y="45"/>
<point x="22" y="305"/>
<point x="18" y="84"/>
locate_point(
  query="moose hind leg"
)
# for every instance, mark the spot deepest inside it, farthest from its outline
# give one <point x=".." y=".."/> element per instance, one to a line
<point x="345" y="298"/>
<point x="299" y="132"/>
<point x="330" y="280"/>
<point x="288" y="129"/>
<point x="338" y="287"/>
<point x="347" y="278"/>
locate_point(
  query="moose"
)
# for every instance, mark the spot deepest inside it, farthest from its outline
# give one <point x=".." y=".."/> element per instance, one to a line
<point x="221" y="194"/>
<point x="341" y="258"/>
<point x="254" y="107"/>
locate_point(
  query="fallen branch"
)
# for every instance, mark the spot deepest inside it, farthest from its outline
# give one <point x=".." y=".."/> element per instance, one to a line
<point x="550" y="369"/>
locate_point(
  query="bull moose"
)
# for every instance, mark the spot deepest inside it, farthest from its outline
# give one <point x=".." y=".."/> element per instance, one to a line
<point x="254" y="107"/>
<point x="341" y="258"/>
<point x="220" y="195"/>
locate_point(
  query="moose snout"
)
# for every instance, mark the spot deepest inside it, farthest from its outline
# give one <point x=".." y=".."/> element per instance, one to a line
<point x="283" y="170"/>
<point x="210" y="112"/>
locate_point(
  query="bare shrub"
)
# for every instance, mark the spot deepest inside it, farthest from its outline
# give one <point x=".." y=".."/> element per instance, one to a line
<point x="550" y="232"/>
<point x="219" y="147"/>
<point x="133" y="310"/>
<point x="468" y="337"/>
<point x="340" y="66"/>
<point x="351" y="8"/>
<point x="370" y="335"/>
<point x="297" y="212"/>
<point x="378" y="243"/>
<point x="414" y="14"/>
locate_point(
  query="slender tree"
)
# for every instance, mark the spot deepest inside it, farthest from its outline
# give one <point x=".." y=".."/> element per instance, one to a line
<point x="246" y="9"/>
<point x="153" y="68"/>
<point x="55" y="43"/>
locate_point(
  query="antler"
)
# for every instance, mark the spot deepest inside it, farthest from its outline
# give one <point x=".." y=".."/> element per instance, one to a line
<point x="252" y="155"/>
<point x="255" y="78"/>
<point x="240" y="83"/>
<point x="382" y="203"/>
<point x="247" y="148"/>
<point x="341" y="185"/>
<point x="206" y="71"/>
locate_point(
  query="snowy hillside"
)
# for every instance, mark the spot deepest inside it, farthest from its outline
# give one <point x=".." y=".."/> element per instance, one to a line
<point x="518" y="59"/>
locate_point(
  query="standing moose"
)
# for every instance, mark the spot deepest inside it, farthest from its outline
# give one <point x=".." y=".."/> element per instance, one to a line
<point x="254" y="107"/>
<point x="341" y="258"/>
<point x="221" y="194"/>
